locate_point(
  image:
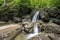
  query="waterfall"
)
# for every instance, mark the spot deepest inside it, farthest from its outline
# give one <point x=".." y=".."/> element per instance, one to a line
<point x="34" y="19"/>
<point x="35" y="29"/>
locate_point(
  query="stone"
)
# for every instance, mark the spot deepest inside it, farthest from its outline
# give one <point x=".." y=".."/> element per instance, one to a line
<point x="24" y="20"/>
<point x="54" y="12"/>
<point x="17" y="19"/>
<point x="51" y="27"/>
<point x="41" y="25"/>
<point x="27" y="16"/>
<point x="44" y="15"/>
<point x="28" y="26"/>
<point x="56" y="21"/>
<point x="48" y="27"/>
<point x="45" y="36"/>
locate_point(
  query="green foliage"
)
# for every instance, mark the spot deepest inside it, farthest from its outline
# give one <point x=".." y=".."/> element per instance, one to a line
<point x="31" y="3"/>
<point x="44" y="3"/>
<point x="21" y="7"/>
<point x="40" y="3"/>
<point x="1" y="3"/>
<point x="10" y="11"/>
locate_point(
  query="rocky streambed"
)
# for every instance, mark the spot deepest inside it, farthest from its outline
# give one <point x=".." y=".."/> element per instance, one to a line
<point x="49" y="31"/>
<point x="48" y="25"/>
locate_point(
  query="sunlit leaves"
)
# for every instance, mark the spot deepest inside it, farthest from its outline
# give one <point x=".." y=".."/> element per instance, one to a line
<point x="43" y="3"/>
<point x="32" y="3"/>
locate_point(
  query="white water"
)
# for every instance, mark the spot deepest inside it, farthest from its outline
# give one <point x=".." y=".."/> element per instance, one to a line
<point x="35" y="17"/>
<point x="34" y="21"/>
<point x="35" y="29"/>
<point x="35" y="26"/>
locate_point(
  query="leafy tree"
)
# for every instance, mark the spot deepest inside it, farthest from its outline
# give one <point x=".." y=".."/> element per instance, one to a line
<point x="23" y="7"/>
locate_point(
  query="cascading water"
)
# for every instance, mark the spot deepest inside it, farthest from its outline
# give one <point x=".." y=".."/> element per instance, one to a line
<point x="35" y="18"/>
<point x="35" y="29"/>
<point x="34" y="21"/>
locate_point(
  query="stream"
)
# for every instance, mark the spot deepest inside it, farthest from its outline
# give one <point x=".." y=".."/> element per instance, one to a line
<point x="34" y="20"/>
<point x="35" y="32"/>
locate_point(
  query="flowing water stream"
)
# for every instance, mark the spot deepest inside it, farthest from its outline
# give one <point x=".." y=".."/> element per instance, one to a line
<point x="34" y="20"/>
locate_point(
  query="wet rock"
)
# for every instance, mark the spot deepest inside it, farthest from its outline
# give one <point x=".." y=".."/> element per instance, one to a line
<point x="53" y="36"/>
<point x="41" y="25"/>
<point x="54" y="13"/>
<point x="44" y="15"/>
<point x="56" y="21"/>
<point x="58" y="16"/>
<point x="27" y="16"/>
<point x="45" y="36"/>
<point x="28" y="26"/>
<point x="51" y="27"/>
<point x="17" y="19"/>
<point x="24" y="20"/>
<point x="40" y="22"/>
<point x="48" y="27"/>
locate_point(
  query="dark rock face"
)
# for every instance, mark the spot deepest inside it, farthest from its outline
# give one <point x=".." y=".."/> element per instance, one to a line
<point x="56" y="21"/>
<point x="56" y="18"/>
<point x="54" y="12"/>
<point x="48" y="27"/>
<point x="47" y="14"/>
<point x="52" y="17"/>
<point x="44" y="15"/>
<point x="17" y="19"/>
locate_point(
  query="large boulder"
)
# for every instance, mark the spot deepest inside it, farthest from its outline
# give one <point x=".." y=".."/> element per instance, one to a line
<point x="17" y="19"/>
<point x="44" y="15"/>
<point x="54" y="13"/>
<point x="51" y="27"/>
<point x="40" y="24"/>
<point x="56" y="21"/>
<point x="28" y="26"/>
<point x="48" y="27"/>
